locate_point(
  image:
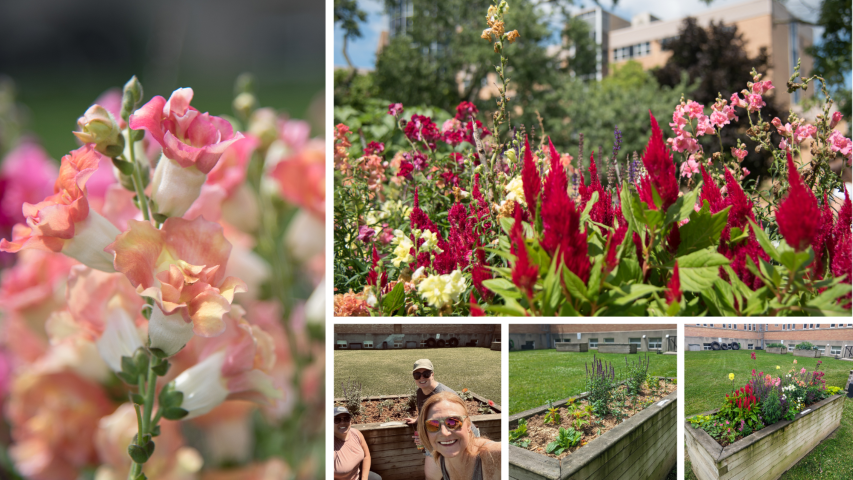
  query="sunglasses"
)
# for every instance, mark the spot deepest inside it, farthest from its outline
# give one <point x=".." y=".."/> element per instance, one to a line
<point x="418" y="375"/>
<point x="342" y="419"/>
<point x="452" y="423"/>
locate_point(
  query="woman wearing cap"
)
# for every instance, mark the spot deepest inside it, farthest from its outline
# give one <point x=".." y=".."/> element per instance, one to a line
<point x="424" y="375"/>
<point x="445" y="431"/>
<point x="352" y="457"/>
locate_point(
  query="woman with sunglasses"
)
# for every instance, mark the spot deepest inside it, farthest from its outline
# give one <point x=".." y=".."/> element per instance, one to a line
<point x="445" y="431"/>
<point x="352" y="457"/>
<point x="423" y="373"/>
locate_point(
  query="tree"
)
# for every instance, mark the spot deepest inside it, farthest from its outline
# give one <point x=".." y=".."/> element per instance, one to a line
<point x="716" y="59"/>
<point x="349" y="15"/>
<point x="832" y="55"/>
<point x="441" y="60"/>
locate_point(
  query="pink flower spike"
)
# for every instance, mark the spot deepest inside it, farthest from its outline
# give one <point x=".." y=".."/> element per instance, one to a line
<point x="798" y="216"/>
<point x="395" y="109"/>
<point x="181" y="267"/>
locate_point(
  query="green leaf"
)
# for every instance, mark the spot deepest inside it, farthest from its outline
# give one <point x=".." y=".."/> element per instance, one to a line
<point x="673" y="309"/>
<point x="764" y="241"/>
<point x="174" y="413"/>
<point x="140" y="358"/>
<point x="554" y="448"/>
<point x="137" y="399"/>
<point x="394" y="300"/>
<point x="551" y="289"/>
<point x="162" y="368"/>
<point x="702" y="231"/>
<point x="699" y="270"/>
<point x="827" y="302"/>
<point x="682" y="208"/>
<point x="124" y="167"/>
<point x="128" y="379"/>
<point x="156" y="431"/>
<point x="159" y="217"/>
<point x="627" y="294"/>
<point x="628" y="271"/>
<point x="173" y="398"/>
<point x="794" y="260"/>
<point x="631" y="208"/>
<point x="588" y="207"/>
<point x="737" y="235"/>
<point x="503" y="287"/>
<point x="574" y="285"/>
<point x="594" y="284"/>
<point x="128" y="367"/>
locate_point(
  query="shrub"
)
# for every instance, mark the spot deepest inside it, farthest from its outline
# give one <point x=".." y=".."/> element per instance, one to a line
<point x="805" y="346"/>
<point x="771" y="409"/>
<point x="636" y="374"/>
<point x="775" y="345"/>
<point x="353" y="392"/>
<point x="600" y="381"/>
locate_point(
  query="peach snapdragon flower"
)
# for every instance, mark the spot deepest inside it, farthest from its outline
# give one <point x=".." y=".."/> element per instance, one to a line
<point x="181" y="267"/>
<point x="192" y="144"/>
<point x="63" y="221"/>
<point x="234" y="365"/>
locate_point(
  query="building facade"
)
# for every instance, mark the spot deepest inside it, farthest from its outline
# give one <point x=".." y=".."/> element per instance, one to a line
<point x="399" y="336"/>
<point x="763" y="23"/>
<point x="601" y="24"/>
<point x="647" y="337"/>
<point x="831" y="338"/>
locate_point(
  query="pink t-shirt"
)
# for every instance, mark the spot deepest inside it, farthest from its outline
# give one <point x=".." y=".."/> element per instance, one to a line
<point x="348" y="456"/>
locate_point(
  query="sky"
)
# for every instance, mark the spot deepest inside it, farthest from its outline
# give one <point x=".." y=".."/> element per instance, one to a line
<point x="362" y="51"/>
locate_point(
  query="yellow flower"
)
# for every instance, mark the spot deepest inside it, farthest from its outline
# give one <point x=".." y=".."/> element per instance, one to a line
<point x="778" y="367"/>
<point x="731" y="376"/>
<point x="515" y="190"/>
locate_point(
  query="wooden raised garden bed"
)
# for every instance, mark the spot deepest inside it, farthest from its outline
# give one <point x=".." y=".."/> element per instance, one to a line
<point x="641" y="447"/>
<point x="617" y="348"/>
<point x="767" y="453"/>
<point x="777" y="350"/>
<point x="393" y="453"/>
<point x="807" y="353"/>
<point x="572" y="347"/>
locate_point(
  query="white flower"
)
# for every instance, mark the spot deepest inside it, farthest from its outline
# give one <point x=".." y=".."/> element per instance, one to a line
<point x="402" y="252"/>
<point x="430" y="242"/>
<point x="418" y="273"/>
<point x="441" y="290"/>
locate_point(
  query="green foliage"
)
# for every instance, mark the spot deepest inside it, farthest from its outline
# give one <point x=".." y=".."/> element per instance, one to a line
<point x="771" y="408"/>
<point x="516" y="435"/>
<point x="805" y="346"/>
<point x="553" y="415"/>
<point x="566" y="439"/>
<point x="636" y="374"/>
<point x="600" y="383"/>
<point x="832" y="53"/>
<point x="774" y="345"/>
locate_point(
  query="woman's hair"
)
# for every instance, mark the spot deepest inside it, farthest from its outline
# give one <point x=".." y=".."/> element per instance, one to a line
<point x="472" y="449"/>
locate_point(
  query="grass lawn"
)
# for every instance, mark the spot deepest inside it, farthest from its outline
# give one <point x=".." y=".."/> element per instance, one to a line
<point x="536" y="376"/>
<point x="389" y="372"/>
<point x="706" y="384"/>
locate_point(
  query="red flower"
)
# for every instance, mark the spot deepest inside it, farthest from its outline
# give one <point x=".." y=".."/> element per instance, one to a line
<point x="673" y="288"/>
<point x="616" y="238"/>
<point x="531" y="181"/>
<point x="661" y="168"/>
<point x="798" y="216"/>
<point x="602" y="212"/>
<point x="374" y="148"/>
<point x="476" y="311"/>
<point x="741" y="206"/>
<point x="524" y="275"/>
<point x="406" y="169"/>
<point x="711" y="193"/>
<point x="464" y="111"/>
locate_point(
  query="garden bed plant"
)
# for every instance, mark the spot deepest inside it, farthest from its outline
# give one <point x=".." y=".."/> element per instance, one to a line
<point x="439" y="214"/>
<point x="764" y="400"/>
<point x="608" y="402"/>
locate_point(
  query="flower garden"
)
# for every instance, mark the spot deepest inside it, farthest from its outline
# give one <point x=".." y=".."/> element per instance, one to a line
<point x="461" y="216"/>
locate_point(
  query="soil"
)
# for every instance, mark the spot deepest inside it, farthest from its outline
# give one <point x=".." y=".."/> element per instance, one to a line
<point x="395" y="410"/>
<point x="541" y="434"/>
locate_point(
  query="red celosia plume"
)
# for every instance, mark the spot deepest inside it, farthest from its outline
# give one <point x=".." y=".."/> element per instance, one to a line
<point x="798" y="216"/>
<point x="673" y="288"/>
<point x="524" y="275"/>
<point x="531" y="181"/>
<point x="661" y="169"/>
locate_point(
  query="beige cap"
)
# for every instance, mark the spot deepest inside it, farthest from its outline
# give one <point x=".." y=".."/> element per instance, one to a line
<point x="423" y="363"/>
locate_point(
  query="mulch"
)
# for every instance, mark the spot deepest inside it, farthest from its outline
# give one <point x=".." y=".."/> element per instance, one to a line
<point x="395" y="410"/>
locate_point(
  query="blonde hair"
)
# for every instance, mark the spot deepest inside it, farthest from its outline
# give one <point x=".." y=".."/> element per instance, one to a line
<point x="451" y="397"/>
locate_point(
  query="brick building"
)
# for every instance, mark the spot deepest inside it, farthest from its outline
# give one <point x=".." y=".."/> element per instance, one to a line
<point x="831" y="338"/>
<point x="390" y="336"/>
<point x="647" y="337"/>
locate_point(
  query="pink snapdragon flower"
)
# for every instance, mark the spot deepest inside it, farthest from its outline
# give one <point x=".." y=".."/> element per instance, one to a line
<point x="703" y="126"/>
<point x="395" y="109"/>
<point x="841" y="144"/>
<point x="755" y="102"/>
<point x="693" y="109"/>
<point x="181" y="267"/>
<point x="690" y="167"/>
<point x="192" y="144"/>
<point x="235" y="365"/>
<point x="803" y="132"/>
<point x="786" y="131"/>
<point x="836" y="117"/>
<point x="26" y="176"/>
<point x="760" y="88"/>
<point x="737" y="101"/>
<point x="63" y="221"/>
<point x="739" y="153"/>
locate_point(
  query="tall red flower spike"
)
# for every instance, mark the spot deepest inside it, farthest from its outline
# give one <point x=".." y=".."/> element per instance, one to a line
<point x="602" y="211"/>
<point x="741" y="206"/>
<point x="673" y="288"/>
<point x="374" y="278"/>
<point x="561" y="222"/>
<point x="530" y="180"/>
<point x="711" y="193"/>
<point x="524" y="275"/>
<point x="798" y="216"/>
<point x="661" y="168"/>
<point x="476" y="311"/>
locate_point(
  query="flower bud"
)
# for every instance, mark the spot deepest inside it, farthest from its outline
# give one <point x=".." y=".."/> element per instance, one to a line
<point x="244" y="103"/>
<point x="131" y="97"/>
<point x="836" y="117"/>
<point x="98" y="126"/>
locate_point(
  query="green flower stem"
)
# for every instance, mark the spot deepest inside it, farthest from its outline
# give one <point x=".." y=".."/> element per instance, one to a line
<point x="144" y="424"/>
<point x="137" y="178"/>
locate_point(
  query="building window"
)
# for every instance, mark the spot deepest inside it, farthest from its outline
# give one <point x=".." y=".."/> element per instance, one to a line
<point x="593" y="343"/>
<point x="835" y="350"/>
<point x="654" y="343"/>
<point x="784" y="327"/>
<point x="811" y="326"/>
<point x="706" y="346"/>
<point x="368" y="344"/>
<point x="635" y="341"/>
<point x="712" y="324"/>
<point x="817" y="326"/>
<point x="749" y="346"/>
<point x="735" y="327"/>
<point x="850" y="325"/>
<point x="790" y="347"/>
<point x="831" y="325"/>
<point x="705" y="325"/>
<point x="805" y="326"/>
<point x="608" y="340"/>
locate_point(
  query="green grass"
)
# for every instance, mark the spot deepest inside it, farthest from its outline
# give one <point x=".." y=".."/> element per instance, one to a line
<point x="706" y="383"/>
<point x="389" y="372"/>
<point x="536" y="376"/>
